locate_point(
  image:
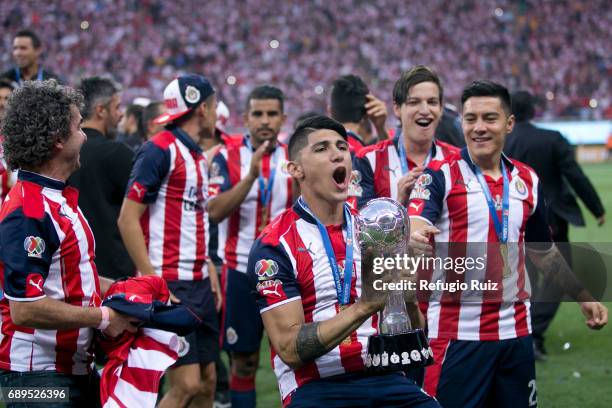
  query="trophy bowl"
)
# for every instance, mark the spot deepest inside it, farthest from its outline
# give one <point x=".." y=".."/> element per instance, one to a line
<point x="383" y="230"/>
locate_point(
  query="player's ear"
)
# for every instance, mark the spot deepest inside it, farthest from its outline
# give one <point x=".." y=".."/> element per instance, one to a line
<point x="397" y="110"/>
<point x="510" y="123"/>
<point x="295" y="170"/>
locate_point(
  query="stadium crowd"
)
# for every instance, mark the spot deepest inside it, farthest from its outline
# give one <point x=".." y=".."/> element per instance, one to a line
<point x="559" y="50"/>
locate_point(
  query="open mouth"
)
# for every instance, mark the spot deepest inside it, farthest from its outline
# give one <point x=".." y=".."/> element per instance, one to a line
<point x="424" y="122"/>
<point x="339" y="177"/>
<point x="481" y="139"/>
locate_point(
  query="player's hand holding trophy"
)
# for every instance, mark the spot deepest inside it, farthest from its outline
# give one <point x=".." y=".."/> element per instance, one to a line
<point x="383" y="230"/>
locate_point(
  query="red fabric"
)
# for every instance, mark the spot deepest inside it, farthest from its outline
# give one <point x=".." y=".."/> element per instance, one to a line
<point x="129" y="352"/>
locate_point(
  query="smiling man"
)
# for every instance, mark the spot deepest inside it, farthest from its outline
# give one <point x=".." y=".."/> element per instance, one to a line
<point x="390" y="168"/>
<point x="482" y="196"/>
<point x="249" y="185"/>
<point x="319" y="329"/>
<point x="27" y="49"/>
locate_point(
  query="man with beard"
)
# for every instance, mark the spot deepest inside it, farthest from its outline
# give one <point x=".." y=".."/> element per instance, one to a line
<point x="249" y="186"/>
<point x="104" y="173"/>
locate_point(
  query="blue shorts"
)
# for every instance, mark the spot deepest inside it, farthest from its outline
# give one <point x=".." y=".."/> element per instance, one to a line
<point x="242" y="326"/>
<point x="473" y="374"/>
<point x="203" y="344"/>
<point x="357" y="390"/>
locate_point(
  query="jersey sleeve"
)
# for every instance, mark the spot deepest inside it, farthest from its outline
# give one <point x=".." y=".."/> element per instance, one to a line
<point x="362" y="181"/>
<point x="271" y="276"/>
<point x="219" y="179"/>
<point x="427" y="196"/>
<point x="27" y="246"/>
<point x="537" y="229"/>
<point x="151" y="165"/>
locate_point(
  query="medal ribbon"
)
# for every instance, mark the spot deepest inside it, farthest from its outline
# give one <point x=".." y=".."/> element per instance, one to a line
<point x="343" y="285"/>
<point x="404" y="159"/>
<point x="39" y="76"/>
<point x="265" y="189"/>
<point x="501" y="226"/>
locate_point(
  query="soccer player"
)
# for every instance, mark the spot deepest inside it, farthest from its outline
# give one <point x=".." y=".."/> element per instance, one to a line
<point x="249" y="186"/>
<point x="51" y="301"/>
<point x="482" y="196"/>
<point x="306" y="271"/>
<point x="390" y="168"/>
<point x="163" y="224"/>
<point x="27" y="48"/>
<point x="353" y="105"/>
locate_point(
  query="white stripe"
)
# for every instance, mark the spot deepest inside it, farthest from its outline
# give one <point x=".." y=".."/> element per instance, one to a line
<point x="188" y="237"/>
<point x="395" y="164"/>
<point x="133" y="397"/>
<point x="283" y="302"/>
<point x="157" y="214"/>
<point x="286" y="377"/>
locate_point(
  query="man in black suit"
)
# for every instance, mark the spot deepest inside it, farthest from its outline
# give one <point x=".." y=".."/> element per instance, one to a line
<point x="104" y="173"/>
<point x="552" y="157"/>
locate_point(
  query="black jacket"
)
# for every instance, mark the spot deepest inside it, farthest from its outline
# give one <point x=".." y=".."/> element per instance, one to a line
<point x="552" y="158"/>
<point x="11" y="75"/>
<point x="102" y="180"/>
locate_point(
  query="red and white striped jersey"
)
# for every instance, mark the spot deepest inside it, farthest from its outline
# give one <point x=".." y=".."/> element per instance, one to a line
<point x="289" y="263"/>
<point x="377" y="169"/>
<point x="240" y="229"/>
<point x="170" y="175"/>
<point x="449" y="196"/>
<point x="132" y="375"/>
<point x="46" y="249"/>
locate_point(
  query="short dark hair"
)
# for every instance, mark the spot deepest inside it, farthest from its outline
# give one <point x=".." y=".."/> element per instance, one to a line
<point x="266" y="92"/>
<point x="150" y="112"/>
<point x="523" y="106"/>
<point x="348" y="99"/>
<point x="31" y="35"/>
<point x="488" y="88"/>
<point x="305" y="115"/>
<point x="412" y="77"/>
<point x="37" y="116"/>
<point x="97" y="90"/>
<point x="299" y="138"/>
<point x="5" y="83"/>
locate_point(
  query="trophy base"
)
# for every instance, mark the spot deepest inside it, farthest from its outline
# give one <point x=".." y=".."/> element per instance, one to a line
<point x="398" y="352"/>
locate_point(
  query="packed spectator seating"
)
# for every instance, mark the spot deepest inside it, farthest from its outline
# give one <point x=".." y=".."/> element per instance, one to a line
<point x="560" y="50"/>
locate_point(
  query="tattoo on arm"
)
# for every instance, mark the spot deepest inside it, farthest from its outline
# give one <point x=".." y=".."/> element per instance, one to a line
<point x="308" y="345"/>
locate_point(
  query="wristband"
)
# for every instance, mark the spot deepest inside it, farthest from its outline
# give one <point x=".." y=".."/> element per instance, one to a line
<point x="105" y="318"/>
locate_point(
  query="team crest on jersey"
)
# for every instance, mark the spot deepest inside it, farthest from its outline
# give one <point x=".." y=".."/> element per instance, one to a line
<point x="420" y="193"/>
<point x="215" y="174"/>
<point x="231" y="336"/>
<point x="520" y="187"/>
<point x="266" y="269"/>
<point x="192" y="95"/>
<point x="423" y="180"/>
<point x="354" y="188"/>
<point x="34" y="246"/>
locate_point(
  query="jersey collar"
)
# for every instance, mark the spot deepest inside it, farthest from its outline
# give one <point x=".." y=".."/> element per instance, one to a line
<point x="41" y="180"/>
<point x="465" y="155"/>
<point x="186" y="139"/>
